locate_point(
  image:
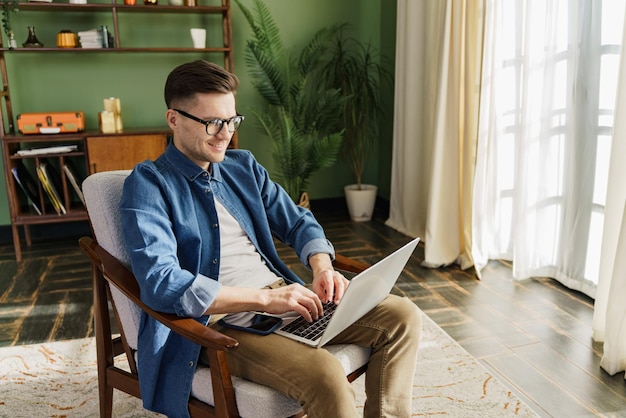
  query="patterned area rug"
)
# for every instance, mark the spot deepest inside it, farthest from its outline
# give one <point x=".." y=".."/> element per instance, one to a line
<point x="59" y="379"/>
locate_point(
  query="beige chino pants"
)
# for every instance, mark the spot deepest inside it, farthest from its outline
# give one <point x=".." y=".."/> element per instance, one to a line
<point x="316" y="379"/>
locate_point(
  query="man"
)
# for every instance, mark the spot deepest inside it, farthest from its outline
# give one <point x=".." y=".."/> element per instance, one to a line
<point x="199" y="224"/>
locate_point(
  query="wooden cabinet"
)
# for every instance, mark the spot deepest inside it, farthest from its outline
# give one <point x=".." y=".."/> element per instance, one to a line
<point x="93" y="151"/>
<point x="123" y="152"/>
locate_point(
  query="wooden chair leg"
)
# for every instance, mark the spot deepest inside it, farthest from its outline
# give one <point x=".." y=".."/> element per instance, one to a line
<point x="104" y="350"/>
<point x="106" y="400"/>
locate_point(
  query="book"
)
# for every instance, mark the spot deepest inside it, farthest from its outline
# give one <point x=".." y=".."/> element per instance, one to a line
<point x="28" y="185"/>
<point x="47" y="150"/>
<point x="50" y="184"/>
<point x="70" y="174"/>
<point x="91" y="38"/>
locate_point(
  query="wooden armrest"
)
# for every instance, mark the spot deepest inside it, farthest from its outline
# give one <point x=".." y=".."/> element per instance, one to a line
<point x="344" y="263"/>
<point x="122" y="278"/>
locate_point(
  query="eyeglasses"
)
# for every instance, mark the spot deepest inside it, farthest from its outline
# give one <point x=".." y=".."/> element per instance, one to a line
<point x="214" y="126"/>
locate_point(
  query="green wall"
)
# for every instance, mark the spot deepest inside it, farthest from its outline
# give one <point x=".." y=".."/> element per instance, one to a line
<point x="61" y="81"/>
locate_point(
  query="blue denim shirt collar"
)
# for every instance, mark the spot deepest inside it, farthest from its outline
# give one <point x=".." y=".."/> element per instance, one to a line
<point x="188" y="168"/>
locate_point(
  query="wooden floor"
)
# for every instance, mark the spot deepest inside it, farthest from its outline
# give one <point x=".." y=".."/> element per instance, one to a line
<point x="534" y="335"/>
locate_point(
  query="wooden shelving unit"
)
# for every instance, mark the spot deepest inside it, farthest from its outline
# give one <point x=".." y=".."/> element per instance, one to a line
<point x="139" y="144"/>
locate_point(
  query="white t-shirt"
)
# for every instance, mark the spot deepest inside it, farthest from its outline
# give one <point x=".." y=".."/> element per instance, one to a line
<point x="241" y="264"/>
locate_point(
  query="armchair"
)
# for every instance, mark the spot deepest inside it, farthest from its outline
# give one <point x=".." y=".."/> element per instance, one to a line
<point x="215" y="393"/>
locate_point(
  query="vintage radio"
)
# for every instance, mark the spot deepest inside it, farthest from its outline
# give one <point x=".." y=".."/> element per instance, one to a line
<point x="50" y="123"/>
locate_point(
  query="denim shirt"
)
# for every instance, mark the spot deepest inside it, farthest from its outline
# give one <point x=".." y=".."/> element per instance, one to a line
<point x="171" y="232"/>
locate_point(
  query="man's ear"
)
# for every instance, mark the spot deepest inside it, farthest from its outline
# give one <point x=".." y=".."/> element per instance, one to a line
<point x="171" y="116"/>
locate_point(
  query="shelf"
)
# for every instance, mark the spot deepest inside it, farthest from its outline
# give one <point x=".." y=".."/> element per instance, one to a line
<point x="119" y="50"/>
<point x="107" y="7"/>
<point x="32" y="219"/>
<point x="79" y="136"/>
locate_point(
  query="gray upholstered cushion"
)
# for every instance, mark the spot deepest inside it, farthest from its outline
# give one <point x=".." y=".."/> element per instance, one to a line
<point x="256" y="401"/>
<point x="102" y="195"/>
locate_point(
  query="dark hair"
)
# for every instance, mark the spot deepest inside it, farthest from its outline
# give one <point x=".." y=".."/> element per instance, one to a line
<point x="198" y="76"/>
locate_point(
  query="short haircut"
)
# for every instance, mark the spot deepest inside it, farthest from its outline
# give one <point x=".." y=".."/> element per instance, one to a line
<point x="198" y="76"/>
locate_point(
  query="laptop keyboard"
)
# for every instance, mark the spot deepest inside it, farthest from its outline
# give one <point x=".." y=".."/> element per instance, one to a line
<point x="311" y="330"/>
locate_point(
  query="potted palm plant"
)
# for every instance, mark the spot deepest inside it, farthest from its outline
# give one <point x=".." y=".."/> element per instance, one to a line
<point x="300" y="114"/>
<point x="356" y="69"/>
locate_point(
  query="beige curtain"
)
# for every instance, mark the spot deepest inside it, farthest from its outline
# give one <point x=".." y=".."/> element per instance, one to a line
<point x="438" y="56"/>
<point x="609" y="316"/>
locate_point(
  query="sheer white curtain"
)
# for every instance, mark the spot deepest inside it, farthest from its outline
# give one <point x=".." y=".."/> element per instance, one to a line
<point x="547" y="96"/>
<point x="609" y="316"/>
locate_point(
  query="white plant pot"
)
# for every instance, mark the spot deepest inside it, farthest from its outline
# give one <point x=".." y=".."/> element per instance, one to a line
<point x="360" y="202"/>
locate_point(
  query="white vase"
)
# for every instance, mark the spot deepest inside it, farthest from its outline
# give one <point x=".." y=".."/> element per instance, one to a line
<point x="360" y="202"/>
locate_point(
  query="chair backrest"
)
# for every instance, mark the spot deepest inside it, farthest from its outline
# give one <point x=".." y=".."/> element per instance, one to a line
<point x="103" y="192"/>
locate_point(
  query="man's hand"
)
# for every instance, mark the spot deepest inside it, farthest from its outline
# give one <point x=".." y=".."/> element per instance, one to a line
<point x="294" y="297"/>
<point x="328" y="283"/>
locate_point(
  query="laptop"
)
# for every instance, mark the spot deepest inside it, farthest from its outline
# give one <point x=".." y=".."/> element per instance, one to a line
<point x="366" y="290"/>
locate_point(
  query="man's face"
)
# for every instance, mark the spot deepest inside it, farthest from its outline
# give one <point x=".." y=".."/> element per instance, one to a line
<point x="190" y="136"/>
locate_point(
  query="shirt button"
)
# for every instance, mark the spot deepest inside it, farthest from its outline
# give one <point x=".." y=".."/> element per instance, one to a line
<point x="191" y="364"/>
<point x="207" y="190"/>
<point x="215" y="225"/>
<point x="215" y="261"/>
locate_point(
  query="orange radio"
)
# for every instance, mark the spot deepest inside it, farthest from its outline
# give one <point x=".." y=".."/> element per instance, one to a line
<point x="50" y="123"/>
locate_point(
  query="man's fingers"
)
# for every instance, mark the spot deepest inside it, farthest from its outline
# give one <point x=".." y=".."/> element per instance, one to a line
<point x="310" y="306"/>
<point x="304" y="312"/>
<point x="329" y="291"/>
<point x="310" y="309"/>
<point x="340" y="287"/>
